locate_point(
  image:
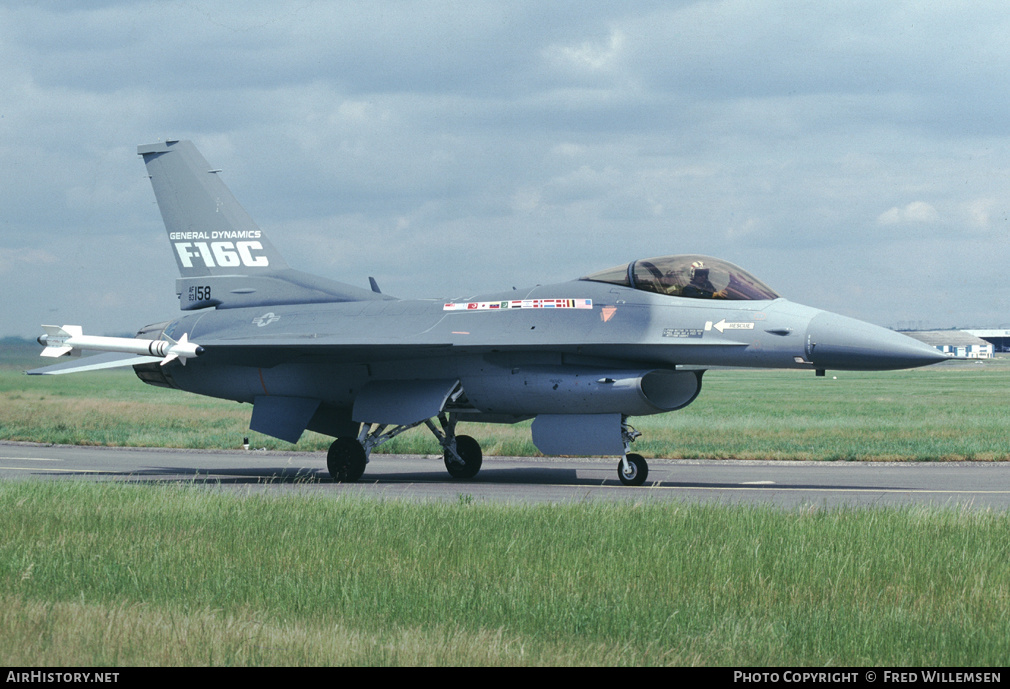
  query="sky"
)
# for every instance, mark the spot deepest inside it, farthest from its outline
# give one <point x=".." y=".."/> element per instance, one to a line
<point x="852" y="155"/>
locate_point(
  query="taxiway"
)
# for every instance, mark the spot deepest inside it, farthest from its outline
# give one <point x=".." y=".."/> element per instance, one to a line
<point x="785" y="484"/>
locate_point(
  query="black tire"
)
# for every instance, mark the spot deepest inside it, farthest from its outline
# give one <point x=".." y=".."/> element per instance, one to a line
<point x="346" y="460"/>
<point x="639" y="471"/>
<point x="469" y="450"/>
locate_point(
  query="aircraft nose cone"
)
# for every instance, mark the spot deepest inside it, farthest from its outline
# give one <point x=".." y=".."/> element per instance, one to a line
<point x="842" y="343"/>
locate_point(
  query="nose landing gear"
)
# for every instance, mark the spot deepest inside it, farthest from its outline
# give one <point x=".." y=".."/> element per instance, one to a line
<point x="632" y="470"/>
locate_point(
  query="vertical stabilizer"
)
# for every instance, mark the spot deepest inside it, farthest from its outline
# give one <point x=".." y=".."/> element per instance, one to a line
<point x="224" y="258"/>
<point x="210" y="232"/>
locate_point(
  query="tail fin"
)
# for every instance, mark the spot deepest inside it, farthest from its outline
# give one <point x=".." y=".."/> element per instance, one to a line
<point x="224" y="258"/>
<point x="211" y="233"/>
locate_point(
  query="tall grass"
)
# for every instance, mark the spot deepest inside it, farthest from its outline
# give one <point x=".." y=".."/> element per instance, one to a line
<point x="103" y="573"/>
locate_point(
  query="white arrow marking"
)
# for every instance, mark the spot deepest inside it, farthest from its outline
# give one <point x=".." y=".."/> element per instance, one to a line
<point x="722" y="326"/>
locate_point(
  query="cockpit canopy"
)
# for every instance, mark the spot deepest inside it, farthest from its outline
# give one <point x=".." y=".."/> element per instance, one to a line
<point x="693" y="276"/>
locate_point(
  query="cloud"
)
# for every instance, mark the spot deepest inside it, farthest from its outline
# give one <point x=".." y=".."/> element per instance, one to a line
<point x="12" y="260"/>
<point x="591" y="55"/>
<point x="915" y="213"/>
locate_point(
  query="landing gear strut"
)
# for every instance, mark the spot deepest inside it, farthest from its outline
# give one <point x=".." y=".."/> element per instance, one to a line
<point x="348" y="456"/>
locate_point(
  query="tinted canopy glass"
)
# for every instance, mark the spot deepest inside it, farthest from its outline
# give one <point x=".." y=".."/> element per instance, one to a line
<point x="688" y="275"/>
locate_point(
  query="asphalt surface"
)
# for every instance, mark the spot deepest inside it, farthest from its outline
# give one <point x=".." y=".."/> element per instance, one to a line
<point x="530" y="480"/>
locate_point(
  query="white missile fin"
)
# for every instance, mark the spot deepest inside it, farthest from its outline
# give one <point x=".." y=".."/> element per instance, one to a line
<point x="56" y="337"/>
<point x="56" y="351"/>
<point x="178" y="349"/>
<point x="55" y="332"/>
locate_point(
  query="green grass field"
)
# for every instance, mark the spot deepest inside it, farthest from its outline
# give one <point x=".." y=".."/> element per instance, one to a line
<point x="117" y="574"/>
<point x="946" y="412"/>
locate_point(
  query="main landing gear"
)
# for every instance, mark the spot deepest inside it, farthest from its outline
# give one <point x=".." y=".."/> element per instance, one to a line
<point x="347" y="456"/>
<point x="461" y="453"/>
<point x="346" y="460"/>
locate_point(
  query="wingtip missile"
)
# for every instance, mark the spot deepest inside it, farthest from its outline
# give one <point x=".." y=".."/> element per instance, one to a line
<point x="71" y="340"/>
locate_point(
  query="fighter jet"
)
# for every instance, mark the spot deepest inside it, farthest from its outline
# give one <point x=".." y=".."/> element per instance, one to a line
<point x="579" y="357"/>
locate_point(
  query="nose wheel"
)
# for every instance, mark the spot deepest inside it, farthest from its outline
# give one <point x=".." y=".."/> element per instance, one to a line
<point x="633" y="470"/>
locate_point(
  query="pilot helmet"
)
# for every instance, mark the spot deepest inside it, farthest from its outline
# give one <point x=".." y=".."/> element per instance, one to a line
<point x="699" y="271"/>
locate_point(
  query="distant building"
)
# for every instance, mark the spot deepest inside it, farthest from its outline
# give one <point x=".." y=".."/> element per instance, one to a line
<point x="956" y="343"/>
<point x="999" y="338"/>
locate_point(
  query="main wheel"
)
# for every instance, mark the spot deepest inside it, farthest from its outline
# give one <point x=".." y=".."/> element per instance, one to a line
<point x="638" y="471"/>
<point x="469" y="450"/>
<point x="346" y="460"/>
